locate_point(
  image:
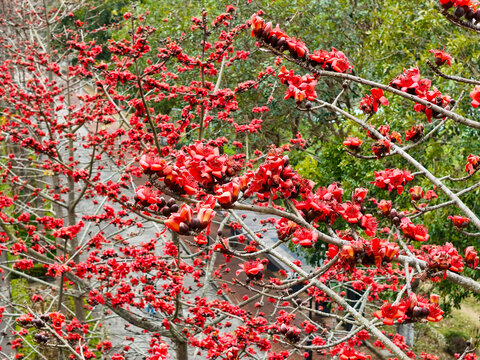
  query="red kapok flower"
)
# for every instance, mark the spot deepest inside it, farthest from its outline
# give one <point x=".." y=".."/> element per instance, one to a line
<point x="204" y="216"/>
<point x="410" y="79"/>
<point x="179" y="221"/>
<point x="442" y="57"/>
<point x="334" y="60"/>
<point x="347" y="254"/>
<point x="377" y="95"/>
<point x="359" y="195"/>
<point x="471" y="257"/>
<point x="416" y="193"/>
<point x="415" y="133"/>
<point x="459" y="221"/>
<point x="389" y="313"/>
<point x="339" y="62"/>
<point x="353" y="143"/>
<point x="395" y="137"/>
<point x="257" y="25"/>
<point x="58" y="319"/>
<point x="475" y="95"/>
<point x="444" y="258"/>
<point x="151" y="163"/>
<point x="147" y="195"/>
<point x="350" y="212"/>
<point x="285" y="228"/>
<point x="298" y="87"/>
<point x="430" y="194"/>
<point x="381" y="147"/>
<point x="24" y="217"/>
<point x="415" y="232"/>
<point x="349" y="353"/>
<point x="253" y="269"/>
<point x="304" y="237"/>
<point x="369" y="224"/>
<point x="297" y="47"/>
<point x="222" y="246"/>
<point x="228" y="194"/>
<point x="385" y="206"/>
<point x="473" y="163"/>
<point x="392" y="179"/>
<point x="370" y="103"/>
<point x="435" y="314"/>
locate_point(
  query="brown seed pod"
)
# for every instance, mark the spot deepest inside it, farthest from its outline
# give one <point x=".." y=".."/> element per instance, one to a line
<point x="184" y="229"/>
<point x="459" y="12"/>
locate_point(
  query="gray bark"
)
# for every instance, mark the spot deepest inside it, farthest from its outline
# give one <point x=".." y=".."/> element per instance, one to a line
<point x="408" y="332"/>
<point x="5" y="330"/>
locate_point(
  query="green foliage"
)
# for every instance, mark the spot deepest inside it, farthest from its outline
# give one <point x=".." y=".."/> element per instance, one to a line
<point x="456" y="342"/>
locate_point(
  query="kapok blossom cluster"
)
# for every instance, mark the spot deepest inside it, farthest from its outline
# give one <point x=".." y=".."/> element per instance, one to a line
<point x="411" y="82"/>
<point x="414" y="308"/>
<point x="298" y="87"/>
<point x="329" y="60"/>
<point x="370" y="103"/>
<point x="392" y="179"/>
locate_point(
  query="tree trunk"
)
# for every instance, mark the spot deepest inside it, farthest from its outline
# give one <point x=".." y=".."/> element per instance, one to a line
<point x="5" y="331"/>
<point x="408" y="332"/>
<point x="181" y="350"/>
<point x="72" y="220"/>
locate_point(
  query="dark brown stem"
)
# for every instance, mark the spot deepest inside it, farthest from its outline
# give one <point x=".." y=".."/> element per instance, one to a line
<point x="450" y="77"/>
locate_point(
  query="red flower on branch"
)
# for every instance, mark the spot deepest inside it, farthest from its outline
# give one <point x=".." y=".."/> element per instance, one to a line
<point x="392" y="179"/>
<point x="285" y="228"/>
<point x="305" y="237"/>
<point x="389" y="313"/>
<point x="359" y="195"/>
<point x="384" y="250"/>
<point x="350" y="212"/>
<point x="297" y="47"/>
<point x="369" y="224"/>
<point x="415" y="133"/>
<point x="435" y="314"/>
<point x="381" y="147"/>
<point x="370" y="103"/>
<point x="459" y="221"/>
<point x="179" y="221"/>
<point x="58" y="320"/>
<point x="298" y="87"/>
<point x="152" y="164"/>
<point x="435" y="97"/>
<point x="349" y="353"/>
<point x="471" y="257"/>
<point x="257" y="24"/>
<point x="147" y="195"/>
<point x="415" y="232"/>
<point x="408" y="81"/>
<point x="334" y="60"/>
<point x="353" y="143"/>
<point x="473" y="163"/>
<point x="253" y="269"/>
<point x="228" y="194"/>
<point x="418" y="308"/>
<point x="442" y="57"/>
<point x="416" y="193"/>
<point x="385" y="206"/>
<point x="444" y="258"/>
<point x="475" y="95"/>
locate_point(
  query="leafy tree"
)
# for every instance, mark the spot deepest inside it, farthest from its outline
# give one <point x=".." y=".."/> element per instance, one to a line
<point x="119" y="180"/>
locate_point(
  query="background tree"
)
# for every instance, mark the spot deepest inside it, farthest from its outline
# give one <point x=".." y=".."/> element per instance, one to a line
<point x="117" y="182"/>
